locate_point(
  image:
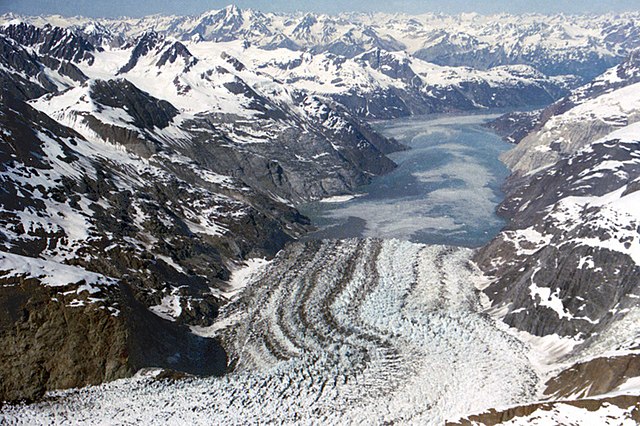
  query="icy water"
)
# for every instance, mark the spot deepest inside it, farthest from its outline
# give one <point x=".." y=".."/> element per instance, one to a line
<point x="445" y="190"/>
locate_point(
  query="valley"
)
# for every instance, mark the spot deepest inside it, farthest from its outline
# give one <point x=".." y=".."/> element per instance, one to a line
<point x="244" y="218"/>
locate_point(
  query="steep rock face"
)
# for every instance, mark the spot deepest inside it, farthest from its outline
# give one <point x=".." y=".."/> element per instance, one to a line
<point x="176" y="52"/>
<point x="587" y="114"/>
<point x="146" y="111"/>
<point x="244" y="123"/>
<point x="565" y="269"/>
<point x="27" y="75"/>
<point x="151" y="42"/>
<point x="567" y="262"/>
<point x="515" y="126"/>
<point x="52" y="41"/>
<point x="593" y="377"/>
<point x="13" y="56"/>
<point x="297" y="165"/>
<point x="145" y="44"/>
<point x="123" y="213"/>
<point x="77" y="334"/>
<point x="347" y="152"/>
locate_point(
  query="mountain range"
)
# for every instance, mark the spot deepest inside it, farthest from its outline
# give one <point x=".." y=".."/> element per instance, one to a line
<point x="151" y="166"/>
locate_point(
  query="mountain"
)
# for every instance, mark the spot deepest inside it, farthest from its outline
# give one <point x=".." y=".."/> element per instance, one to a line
<point x="376" y="81"/>
<point x="378" y="84"/>
<point x="218" y="92"/>
<point x="565" y="269"/>
<point x="151" y="171"/>
<point x="448" y="63"/>
<point x="141" y="209"/>
<point x="555" y="45"/>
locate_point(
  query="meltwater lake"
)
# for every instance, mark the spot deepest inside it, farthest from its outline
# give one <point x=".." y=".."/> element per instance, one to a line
<point x="444" y="191"/>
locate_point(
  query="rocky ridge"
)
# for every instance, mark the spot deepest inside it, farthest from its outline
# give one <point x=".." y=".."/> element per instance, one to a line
<point x="375" y="80"/>
<point x="554" y="44"/>
<point x="565" y="269"/>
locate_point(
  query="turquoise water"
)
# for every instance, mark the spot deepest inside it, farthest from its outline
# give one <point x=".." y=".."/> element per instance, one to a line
<point x="445" y="190"/>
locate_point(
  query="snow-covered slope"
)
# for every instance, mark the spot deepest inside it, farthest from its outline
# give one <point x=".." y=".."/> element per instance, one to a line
<point x="610" y="411"/>
<point x="565" y="134"/>
<point x="382" y="84"/>
<point x="374" y="83"/>
<point x="154" y="92"/>
<point x="571" y="252"/>
<point x="89" y="240"/>
<point x="572" y="204"/>
<point x="560" y="44"/>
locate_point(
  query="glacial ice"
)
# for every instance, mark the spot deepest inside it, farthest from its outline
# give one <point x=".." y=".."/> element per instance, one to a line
<point x="355" y="331"/>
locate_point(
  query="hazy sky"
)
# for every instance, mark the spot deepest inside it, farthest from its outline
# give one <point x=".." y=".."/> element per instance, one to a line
<point x="112" y="8"/>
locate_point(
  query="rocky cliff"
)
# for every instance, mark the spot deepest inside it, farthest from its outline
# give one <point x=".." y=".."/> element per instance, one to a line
<point x="565" y="271"/>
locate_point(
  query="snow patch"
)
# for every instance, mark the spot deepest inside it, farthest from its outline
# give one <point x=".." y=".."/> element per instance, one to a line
<point x="50" y="273"/>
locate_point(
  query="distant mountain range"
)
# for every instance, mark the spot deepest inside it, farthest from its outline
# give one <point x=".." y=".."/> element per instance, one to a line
<point x="555" y="45"/>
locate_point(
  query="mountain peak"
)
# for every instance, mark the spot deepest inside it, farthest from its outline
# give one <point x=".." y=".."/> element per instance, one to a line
<point x="232" y="9"/>
<point x="148" y="41"/>
<point x="173" y="52"/>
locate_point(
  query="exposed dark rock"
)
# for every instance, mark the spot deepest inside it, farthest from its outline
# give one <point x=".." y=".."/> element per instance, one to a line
<point x="146" y="111"/>
<point x="589" y="294"/>
<point x="52" y="41"/>
<point x="56" y="340"/>
<point x="498" y="416"/>
<point x="145" y="44"/>
<point x="594" y="377"/>
<point x="14" y="56"/>
<point x="576" y="253"/>
<point x="514" y="126"/>
<point x="175" y="51"/>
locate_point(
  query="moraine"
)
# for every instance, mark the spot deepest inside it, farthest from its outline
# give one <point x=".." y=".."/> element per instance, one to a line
<point x="445" y="189"/>
<point x="333" y="332"/>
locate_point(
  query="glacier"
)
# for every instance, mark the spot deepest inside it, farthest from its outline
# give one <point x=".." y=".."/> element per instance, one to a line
<point x="351" y="331"/>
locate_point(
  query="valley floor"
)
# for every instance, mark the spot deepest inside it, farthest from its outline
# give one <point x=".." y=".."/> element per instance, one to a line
<point x="353" y="331"/>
